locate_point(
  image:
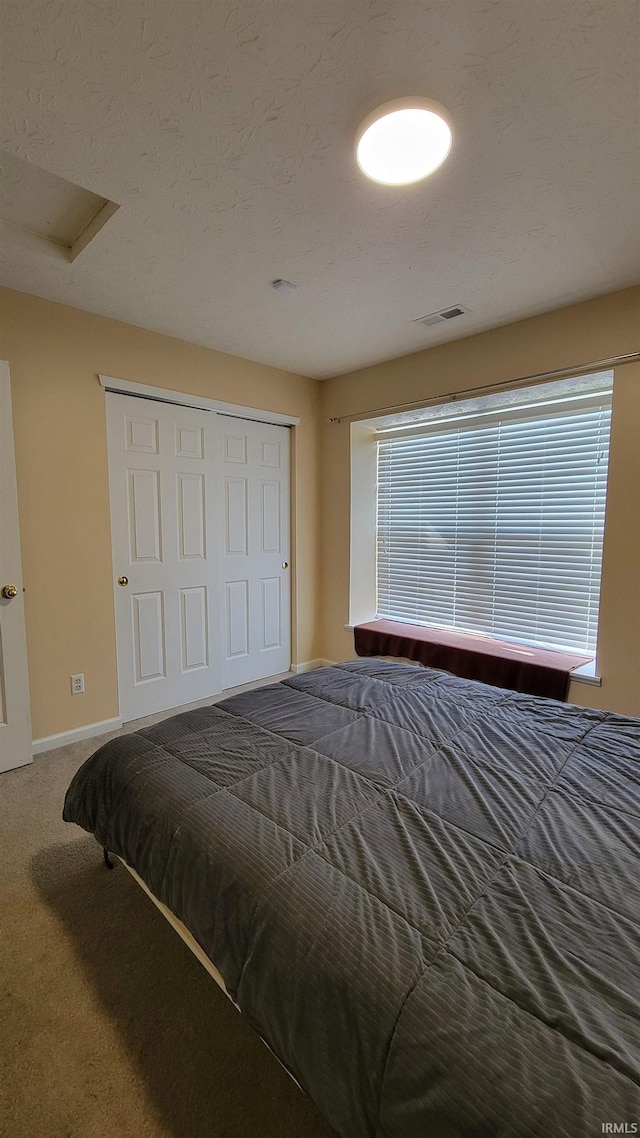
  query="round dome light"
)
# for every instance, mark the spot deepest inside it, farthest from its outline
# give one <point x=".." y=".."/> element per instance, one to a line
<point x="403" y="141"/>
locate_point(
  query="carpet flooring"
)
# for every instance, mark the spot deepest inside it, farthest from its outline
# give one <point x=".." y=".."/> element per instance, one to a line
<point x="110" y="1028"/>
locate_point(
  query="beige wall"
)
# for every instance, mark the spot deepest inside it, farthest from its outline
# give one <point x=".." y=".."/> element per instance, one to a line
<point x="605" y="327"/>
<point x="55" y="354"/>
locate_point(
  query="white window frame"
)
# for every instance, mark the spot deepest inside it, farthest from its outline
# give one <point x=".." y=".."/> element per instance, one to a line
<point x="364" y="435"/>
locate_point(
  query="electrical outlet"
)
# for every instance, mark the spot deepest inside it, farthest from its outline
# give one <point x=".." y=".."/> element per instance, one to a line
<point x="77" y="684"/>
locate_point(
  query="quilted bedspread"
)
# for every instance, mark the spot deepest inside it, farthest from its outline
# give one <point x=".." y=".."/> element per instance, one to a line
<point x="423" y="892"/>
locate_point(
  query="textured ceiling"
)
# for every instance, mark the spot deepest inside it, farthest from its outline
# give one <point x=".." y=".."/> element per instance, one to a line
<point x="225" y="132"/>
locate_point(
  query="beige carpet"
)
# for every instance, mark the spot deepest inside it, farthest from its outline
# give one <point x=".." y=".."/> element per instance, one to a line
<point x="110" y="1028"/>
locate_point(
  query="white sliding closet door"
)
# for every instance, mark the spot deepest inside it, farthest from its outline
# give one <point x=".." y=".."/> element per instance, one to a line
<point x="255" y="551"/>
<point x="164" y="486"/>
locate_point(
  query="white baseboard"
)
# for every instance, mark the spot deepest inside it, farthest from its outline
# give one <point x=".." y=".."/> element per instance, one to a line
<point x="89" y="731"/>
<point x="311" y="665"/>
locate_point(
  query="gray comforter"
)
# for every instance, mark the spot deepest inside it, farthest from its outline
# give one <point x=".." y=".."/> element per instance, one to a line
<point x="422" y="891"/>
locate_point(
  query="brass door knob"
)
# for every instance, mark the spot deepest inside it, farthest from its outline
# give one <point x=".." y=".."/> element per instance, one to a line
<point x="123" y="581"/>
<point x="9" y="591"/>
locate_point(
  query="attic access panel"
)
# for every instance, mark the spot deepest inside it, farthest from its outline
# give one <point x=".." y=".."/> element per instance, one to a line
<point x="47" y="212"/>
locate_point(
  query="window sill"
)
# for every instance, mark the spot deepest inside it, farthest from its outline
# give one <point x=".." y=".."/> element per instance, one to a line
<point x="519" y="667"/>
<point x="586" y="674"/>
<point x="583" y="674"/>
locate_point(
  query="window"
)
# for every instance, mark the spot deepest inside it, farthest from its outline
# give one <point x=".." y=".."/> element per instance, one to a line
<point x="490" y="517"/>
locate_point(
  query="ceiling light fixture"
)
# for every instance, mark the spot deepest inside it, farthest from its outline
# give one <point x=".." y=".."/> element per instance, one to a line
<point x="403" y="141"/>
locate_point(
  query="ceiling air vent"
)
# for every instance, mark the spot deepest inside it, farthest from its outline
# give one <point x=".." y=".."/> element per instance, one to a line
<point x="439" y="317"/>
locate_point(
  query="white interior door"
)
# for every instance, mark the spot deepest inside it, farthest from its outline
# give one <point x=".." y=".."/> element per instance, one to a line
<point x="256" y="594"/>
<point x="15" y="722"/>
<point x="164" y="477"/>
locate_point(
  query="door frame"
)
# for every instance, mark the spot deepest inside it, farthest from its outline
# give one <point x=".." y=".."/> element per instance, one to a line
<point x="237" y="411"/>
<point x="164" y="395"/>
<point x="19" y="682"/>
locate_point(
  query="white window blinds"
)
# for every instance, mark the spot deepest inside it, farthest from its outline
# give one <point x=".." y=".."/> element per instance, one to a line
<point x="493" y="523"/>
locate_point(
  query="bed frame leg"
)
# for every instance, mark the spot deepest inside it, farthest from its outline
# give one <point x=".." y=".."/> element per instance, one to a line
<point x="107" y="860"/>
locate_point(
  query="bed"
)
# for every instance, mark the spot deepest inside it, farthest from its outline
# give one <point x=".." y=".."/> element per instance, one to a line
<point x="422" y="891"/>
